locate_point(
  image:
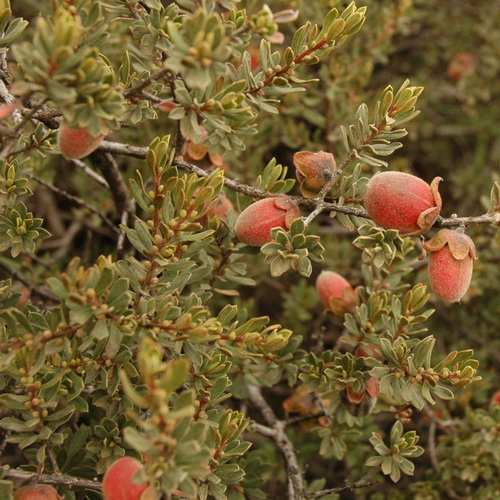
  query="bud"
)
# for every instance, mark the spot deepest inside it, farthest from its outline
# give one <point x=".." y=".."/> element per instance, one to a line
<point x="314" y="170"/>
<point x="336" y="293"/>
<point x="76" y="143"/>
<point x="253" y="226"/>
<point x="450" y="264"/>
<point x="395" y="200"/>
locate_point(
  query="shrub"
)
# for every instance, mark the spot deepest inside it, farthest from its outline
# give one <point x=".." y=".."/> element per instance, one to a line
<point x="134" y="325"/>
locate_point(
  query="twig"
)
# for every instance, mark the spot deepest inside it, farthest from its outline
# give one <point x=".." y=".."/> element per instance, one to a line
<point x="262" y="429"/>
<point x="94" y="175"/>
<point x="280" y="71"/>
<point x="364" y="482"/>
<point x="310" y="203"/>
<point x="109" y="168"/>
<point x="276" y="431"/>
<point x="76" y="200"/>
<point x="56" y="478"/>
<point x="321" y="204"/>
<point x="52" y="460"/>
<point x="432" y="446"/>
<point x="434" y="418"/>
<point x="138" y="90"/>
<point x="33" y="288"/>
<point x="121" y="238"/>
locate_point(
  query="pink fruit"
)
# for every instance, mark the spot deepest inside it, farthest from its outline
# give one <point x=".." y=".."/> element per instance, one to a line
<point x="6" y="110"/>
<point x="221" y="208"/>
<point x="313" y="171"/>
<point x="495" y="398"/>
<point x="37" y="492"/>
<point x="77" y="143"/>
<point x="450" y="263"/>
<point x="253" y="226"/>
<point x="118" y="482"/>
<point x="336" y="293"/>
<point x="395" y="200"/>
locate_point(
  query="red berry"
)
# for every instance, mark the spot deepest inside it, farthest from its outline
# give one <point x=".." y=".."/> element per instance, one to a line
<point x="336" y="293"/>
<point x="37" y="492"/>
<point x="77" y="143"/>
<point x="450" y="264"/>
<point x="395" y="200"/>
<point x="118" y="482"/>
<point x="253" y="226"/>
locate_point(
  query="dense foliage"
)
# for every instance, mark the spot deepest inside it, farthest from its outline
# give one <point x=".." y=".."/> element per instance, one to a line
<point x="140" y="317"/>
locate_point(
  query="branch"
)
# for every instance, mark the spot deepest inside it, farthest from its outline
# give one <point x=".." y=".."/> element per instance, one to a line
<point x="94" y="175"/>
<point x="364" y="482"/>
<point x="276" y="431"/>
<point x="125" y="204"/>
<point x="281" y="71"/>
<point x="56" y="478"/>
<point x="76" y="200"/>
<point x="134" y="91"/>
<point x="320" y="199"/>
<point x="310" y="203"/>
<point x="41" y="292"/>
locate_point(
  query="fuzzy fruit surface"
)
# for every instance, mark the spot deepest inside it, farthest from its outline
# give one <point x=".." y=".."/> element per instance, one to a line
<point x="118" y="484"/>
<point x="37" y="492"/>
<point x="313" y="171"/>
<point x="77" y="143"/>
<point x="395" y="200"/>
<point x="253" y="226"/>
<point x="450" y="264"/>
<point x="336" y="292"/>
<point x="449" y="277"/>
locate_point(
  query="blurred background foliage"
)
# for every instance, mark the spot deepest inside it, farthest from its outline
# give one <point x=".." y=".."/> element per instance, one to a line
<point x="453" y="50"/>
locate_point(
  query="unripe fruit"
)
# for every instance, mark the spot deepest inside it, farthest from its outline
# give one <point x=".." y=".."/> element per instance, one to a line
<point x="77" y="143"/>
<point x="450" y="264"/>
<point x="37" y="492"/>
<point x="395" y="200"/>
<point x="314" y="170"/>
<point x="253" y="226"/>
<point x="118" y="482"/>
<point x="336" y="293"/>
